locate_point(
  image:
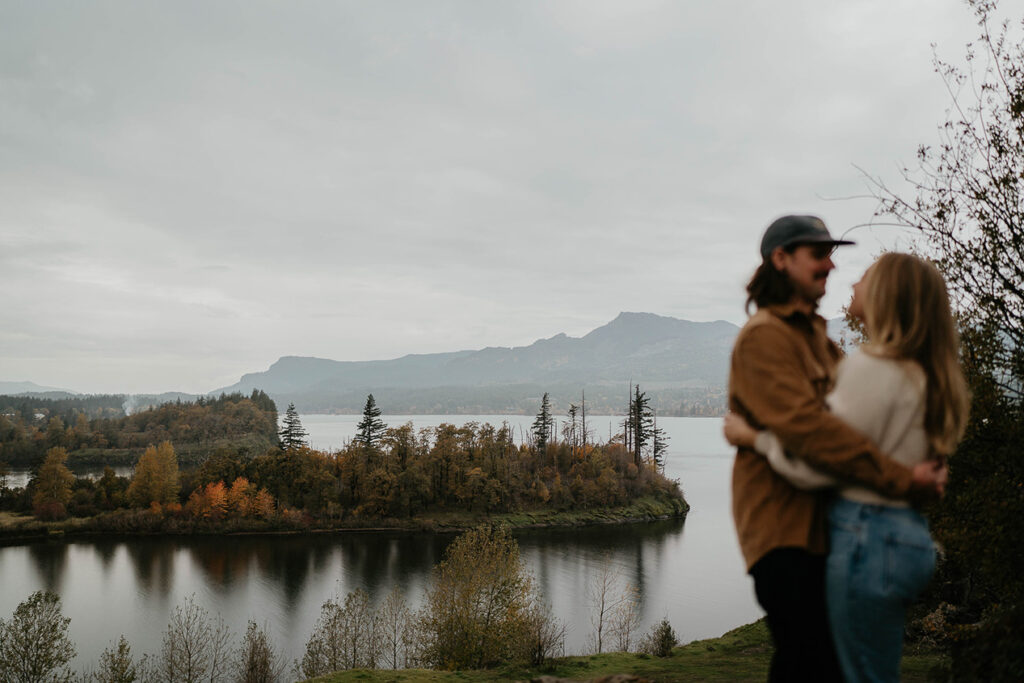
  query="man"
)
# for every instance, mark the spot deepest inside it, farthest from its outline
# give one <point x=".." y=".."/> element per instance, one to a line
<point x="782" y="367"/>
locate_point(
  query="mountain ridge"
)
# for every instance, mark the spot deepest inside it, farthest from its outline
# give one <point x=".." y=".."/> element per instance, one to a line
<point x="677" y="356"/>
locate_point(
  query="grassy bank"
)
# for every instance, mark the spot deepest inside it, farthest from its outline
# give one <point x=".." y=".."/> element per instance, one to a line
<point x="24" y="528"/>
<point x="646" y="509"/>
<point x="742" y="654"/>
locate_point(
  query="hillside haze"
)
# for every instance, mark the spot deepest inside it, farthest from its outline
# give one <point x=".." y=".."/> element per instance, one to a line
<point x="678" y="362"/>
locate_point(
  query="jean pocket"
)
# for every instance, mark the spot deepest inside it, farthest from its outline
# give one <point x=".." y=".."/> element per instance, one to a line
<point x="909" y="564"/>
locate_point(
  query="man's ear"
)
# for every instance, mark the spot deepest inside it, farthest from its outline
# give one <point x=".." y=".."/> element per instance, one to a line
<point x="778" y="258"/>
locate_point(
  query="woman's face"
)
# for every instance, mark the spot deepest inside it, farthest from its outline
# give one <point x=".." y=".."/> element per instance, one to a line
<point x="860" y="293"/>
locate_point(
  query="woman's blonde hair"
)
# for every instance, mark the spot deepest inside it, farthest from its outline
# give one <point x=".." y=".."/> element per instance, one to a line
<point x="907" y="315"/>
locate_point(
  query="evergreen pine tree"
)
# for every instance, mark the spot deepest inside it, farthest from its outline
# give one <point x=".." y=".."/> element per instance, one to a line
<point x="659" y="445"/>
<point x="541" y="428"/>
<point x="647" y="437"/>
<point x="640" y="419"/>
<point x="293" y="434"/>
<point x="371" y="428"/>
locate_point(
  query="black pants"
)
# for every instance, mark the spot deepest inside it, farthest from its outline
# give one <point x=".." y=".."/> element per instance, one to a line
<point x="790" y="585"/>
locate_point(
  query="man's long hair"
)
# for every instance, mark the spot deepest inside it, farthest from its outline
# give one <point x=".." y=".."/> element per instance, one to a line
<point x="769" y="286"/>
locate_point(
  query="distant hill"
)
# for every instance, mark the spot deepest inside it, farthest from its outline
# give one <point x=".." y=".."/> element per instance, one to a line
<point x="681" y="364"/>
<point x="23" y="388"/>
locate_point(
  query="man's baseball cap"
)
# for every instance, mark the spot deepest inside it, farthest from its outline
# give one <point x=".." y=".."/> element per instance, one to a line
<point x="793" y="230"/>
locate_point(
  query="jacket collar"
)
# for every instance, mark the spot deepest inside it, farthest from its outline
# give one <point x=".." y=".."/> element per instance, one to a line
<point x="786" y="310"/>
<point x="791" y="313"/>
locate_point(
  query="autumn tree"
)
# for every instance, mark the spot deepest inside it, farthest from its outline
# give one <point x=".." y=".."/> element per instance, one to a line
<point x="210" y="501"/>
<point x="156" y="478"/>
<point x="53" y="486"/>
<point x="263" y="504"/>
<point x="479" y="605"/>
<point x="293" y="434"/>
<point x="34" y="644"/>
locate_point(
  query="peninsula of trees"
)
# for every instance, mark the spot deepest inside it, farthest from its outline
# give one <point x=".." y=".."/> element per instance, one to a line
<point x="240" y="474"/>
<point x="96" y="432"/>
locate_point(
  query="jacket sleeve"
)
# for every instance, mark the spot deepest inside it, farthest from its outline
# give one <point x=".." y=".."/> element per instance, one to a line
<point x="770" y="381"/>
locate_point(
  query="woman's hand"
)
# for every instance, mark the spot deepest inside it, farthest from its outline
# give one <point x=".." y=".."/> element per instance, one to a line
<point x="738" y="432"/>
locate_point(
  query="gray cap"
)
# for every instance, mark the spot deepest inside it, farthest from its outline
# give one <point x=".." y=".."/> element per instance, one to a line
<point x="791" y="230"/>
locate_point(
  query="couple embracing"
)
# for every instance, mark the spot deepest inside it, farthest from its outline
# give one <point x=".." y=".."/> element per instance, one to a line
<point x="831" y="449"/>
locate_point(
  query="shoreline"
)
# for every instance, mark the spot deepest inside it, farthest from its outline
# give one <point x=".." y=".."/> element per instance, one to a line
<point x="24" y="530"/>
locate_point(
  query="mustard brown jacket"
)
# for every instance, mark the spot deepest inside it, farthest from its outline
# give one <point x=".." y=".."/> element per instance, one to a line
<point x="782" y="366"/>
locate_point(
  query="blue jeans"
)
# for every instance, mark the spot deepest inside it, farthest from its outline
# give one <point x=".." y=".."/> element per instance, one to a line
<point x="880" y="559"/>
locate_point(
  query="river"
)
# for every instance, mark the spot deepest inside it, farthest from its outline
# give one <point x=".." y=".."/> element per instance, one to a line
<point x="690" y="572"/>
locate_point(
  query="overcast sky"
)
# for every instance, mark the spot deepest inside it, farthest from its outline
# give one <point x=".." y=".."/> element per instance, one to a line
<point x="189" y="191"/>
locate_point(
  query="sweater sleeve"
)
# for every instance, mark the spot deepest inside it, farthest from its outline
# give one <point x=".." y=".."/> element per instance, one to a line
<point x="770" y="380"/>
<point x="797" y="472"/>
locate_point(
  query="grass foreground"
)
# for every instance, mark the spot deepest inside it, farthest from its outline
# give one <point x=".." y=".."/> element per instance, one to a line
<point x="742" y="654"/>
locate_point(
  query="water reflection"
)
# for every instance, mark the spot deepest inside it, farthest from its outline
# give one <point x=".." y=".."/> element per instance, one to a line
<point x="50" y="562"/>
<point x="153" y="563"/>
<point x="284" y="579"/>
<point x="105" y="551"/>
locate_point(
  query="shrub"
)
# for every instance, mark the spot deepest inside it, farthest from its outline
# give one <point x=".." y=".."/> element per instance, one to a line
<point x="482" y="608"/>
<point x="660" y="641"/>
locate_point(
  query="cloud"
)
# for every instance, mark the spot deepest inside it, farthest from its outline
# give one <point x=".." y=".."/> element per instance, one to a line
<point x="195" y="189"/>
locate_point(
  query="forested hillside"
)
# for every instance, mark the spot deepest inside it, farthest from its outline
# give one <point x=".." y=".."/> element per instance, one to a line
<point x="95" y="431"/>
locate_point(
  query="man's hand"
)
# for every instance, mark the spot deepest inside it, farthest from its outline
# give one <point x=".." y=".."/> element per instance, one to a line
<point x="737" y="431"/>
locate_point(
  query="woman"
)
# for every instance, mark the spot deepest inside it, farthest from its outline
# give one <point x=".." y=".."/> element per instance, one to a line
<point x="904" y="389"/>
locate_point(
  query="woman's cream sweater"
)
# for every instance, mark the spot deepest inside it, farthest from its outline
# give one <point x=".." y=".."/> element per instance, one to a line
<point x="884" y="399"/>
